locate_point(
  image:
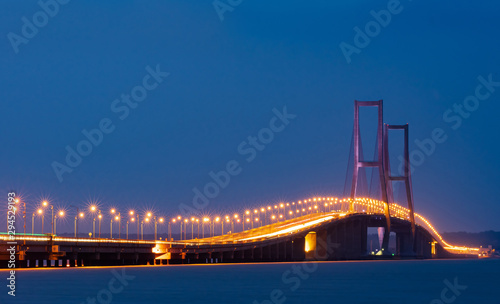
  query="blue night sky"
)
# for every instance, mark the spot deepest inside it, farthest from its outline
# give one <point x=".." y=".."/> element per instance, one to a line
<point x="226" y="77"/>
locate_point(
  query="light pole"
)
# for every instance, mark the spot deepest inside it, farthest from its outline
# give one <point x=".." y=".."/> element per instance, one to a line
<point x="100" y="218"/>
<point x="76" y="219"/>
<point x="226" y="218"/>
<point x="40" y="211"/>
<point x="24" y="214"/>
<point x="205" y="220"/>
<point x="117" y="218"/>
<point x="198" y="227"/>
<point x="119" y="225"/>
<point x="155" y="226"/>
<point x="192" y="226"/>
<point x="142" y="229"/>
<point x="33" y="224"/>
<point x="180" y="221"/>
<point x="93" y="209"/>
<point x="186" y="221"/>
<point x="111" y="228"/>
<point x="132" y="219"/>
<point x="138" y="218"/>
<point x="217" y="219"/>
<point x="61" y="214"/>
<point x="227" y="221"/>
<point x="170" y="229"/>
<point x="161" y="220"/>
<point x="232" y="223"/>
<point x="181" y="231"/>
<point x="45" y="204"/>
<point x="52" y="218"/>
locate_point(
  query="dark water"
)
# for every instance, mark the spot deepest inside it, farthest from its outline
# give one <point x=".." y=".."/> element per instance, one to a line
<point x="325" y="282"/>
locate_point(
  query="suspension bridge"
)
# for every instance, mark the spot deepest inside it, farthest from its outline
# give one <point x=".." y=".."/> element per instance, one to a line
<point x="317" y="228"/>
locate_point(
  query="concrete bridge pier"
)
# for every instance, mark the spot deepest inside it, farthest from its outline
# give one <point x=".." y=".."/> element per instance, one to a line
<point x="404" y="244"/>
<point x="298" y="245"/>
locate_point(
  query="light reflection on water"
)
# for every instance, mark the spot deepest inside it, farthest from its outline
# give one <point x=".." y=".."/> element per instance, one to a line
<point x="418" y="281"/>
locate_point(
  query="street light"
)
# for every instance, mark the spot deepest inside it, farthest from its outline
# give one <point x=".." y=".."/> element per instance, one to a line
<point x="61" y="214"/>
<point x="40" y="211"/>
<point x="81" y="215"/>
<point x="198" y="227"/>
<point x="161" y="220"/>
<point x="132" y="219"/>
<point x="119" y="219"/>
<point x="170" y="229"/>
<point x="179" y="219"/>
<point x="24" y="213"/>
<point x="232" y="222"/>
<point x="228" y="220"/>
<point x="156" y="225"/>
<point x="93" y="209"/>
<point x="111" y="225"/>
<point x="45" y="204"/>
<point x="100" y="218"/>
<point x="131" y="214"/>
<point x="192" y="227"/>
<point x="205" y="220"/>
<point x="186" y="221"/>
<point x="142" y="229"/>
<point x="33" y="224"/>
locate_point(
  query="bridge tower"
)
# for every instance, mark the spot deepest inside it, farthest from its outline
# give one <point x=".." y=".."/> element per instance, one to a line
<point x="378" y="163"/>
<point x="406" y="174"/>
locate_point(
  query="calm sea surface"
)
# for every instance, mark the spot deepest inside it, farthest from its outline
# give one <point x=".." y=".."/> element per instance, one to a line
<point x="428" y="281"/>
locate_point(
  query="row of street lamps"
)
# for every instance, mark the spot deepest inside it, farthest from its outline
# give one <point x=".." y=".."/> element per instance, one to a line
<point x="248" y="219"/>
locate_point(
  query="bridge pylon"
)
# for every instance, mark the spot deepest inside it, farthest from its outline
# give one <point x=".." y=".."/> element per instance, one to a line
<point x="378" y="163"/>
<point x="406" y="174"/>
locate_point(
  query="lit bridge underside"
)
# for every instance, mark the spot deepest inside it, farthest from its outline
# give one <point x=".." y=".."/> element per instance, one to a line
<point x="338" y="232"/>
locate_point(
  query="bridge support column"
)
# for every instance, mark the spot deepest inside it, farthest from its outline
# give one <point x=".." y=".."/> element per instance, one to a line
<point x="298" y="249"/>
<point x="378" y="163"/>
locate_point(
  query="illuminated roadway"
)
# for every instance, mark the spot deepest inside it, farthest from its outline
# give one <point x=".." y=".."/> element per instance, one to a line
<point x="321" y="211"/>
